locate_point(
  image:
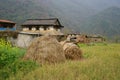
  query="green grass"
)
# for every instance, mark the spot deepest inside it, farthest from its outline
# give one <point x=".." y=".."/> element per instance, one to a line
<point x="101" y="62"/>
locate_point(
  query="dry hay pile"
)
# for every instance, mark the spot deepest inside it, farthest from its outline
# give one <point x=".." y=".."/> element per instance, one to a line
<point x="71" y="51"/>
<point x="45" y="49"/>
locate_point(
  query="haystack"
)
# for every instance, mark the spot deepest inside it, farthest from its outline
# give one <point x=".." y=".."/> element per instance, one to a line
<point x="71" y="51"/>
<point x="45" y="49"/>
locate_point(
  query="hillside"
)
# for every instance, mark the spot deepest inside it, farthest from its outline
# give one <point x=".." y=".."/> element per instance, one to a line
<point x="72" y="14"/>
<point x="104" y="23"/>
<point x="19" y="11"/>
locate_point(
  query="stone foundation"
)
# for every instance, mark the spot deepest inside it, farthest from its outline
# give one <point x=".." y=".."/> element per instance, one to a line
<point x="25" y="39"/>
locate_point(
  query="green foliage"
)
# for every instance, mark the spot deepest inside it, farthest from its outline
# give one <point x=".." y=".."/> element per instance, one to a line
<point x="105" y="23"/>
<point x="4" y="43"/>
<point x="11" y="61"/>
<point x="8" y="54"/>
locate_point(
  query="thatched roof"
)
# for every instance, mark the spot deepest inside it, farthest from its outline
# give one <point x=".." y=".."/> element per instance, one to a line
<point x="42" y="22"/>
<point x="6" y="21"/>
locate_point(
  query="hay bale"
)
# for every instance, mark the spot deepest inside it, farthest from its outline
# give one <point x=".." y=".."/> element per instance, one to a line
<point x="71" y="51"/>
<point x="45" y="49"/>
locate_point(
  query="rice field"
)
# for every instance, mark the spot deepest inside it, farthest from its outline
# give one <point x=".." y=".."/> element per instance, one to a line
<point x="100" y="62"/>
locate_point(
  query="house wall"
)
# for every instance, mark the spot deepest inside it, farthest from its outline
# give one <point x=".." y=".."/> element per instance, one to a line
<point x="24" y="40"/>
<point x="58" y="30"/>
<point x="51" y="28"/>
<point x="41" y="28"/>
<point x="25" y="29"/>
<point x="95" y="39"/>
<point x="12" y="40"/>
<point x="11" y="29"/>
<point x="34" y="29"/>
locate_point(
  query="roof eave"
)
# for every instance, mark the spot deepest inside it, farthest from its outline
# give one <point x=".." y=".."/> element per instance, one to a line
<point x="8" y="22"/>
<point x="40" y="25"/>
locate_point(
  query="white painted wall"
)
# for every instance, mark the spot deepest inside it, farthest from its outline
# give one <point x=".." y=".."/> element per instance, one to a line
<point x="51" y="28"/>
<point x="25" y="29"/>
<point x="41" y="29"/>
<point x="33" y="29"/>
<point x="58" y="30"/>
<point x="24" y="40"/>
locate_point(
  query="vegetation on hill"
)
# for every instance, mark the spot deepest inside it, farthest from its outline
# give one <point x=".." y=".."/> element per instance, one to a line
<point x="71" y="13"/>
<point x="19" y="11"/>
<point x="105" y="23"/>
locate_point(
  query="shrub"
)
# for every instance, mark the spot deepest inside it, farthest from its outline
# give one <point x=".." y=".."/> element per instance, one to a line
<point x="11" y="62"/>
<point x="8" y="54"/>
<point x="4" y="43"/>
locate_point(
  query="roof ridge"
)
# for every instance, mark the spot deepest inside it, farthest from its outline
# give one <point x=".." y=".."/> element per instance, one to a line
<point x="7" y="21"/>
<point x="45" y="19"/>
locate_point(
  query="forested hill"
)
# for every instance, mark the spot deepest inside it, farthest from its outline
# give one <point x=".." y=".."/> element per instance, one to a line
<point x="105" y="23"/>
<point x="72" y="13"/>
<point x="20" y="10"/>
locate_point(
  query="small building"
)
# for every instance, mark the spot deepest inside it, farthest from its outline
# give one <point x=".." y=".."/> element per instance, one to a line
<point x="95" y="38"/>
<point x="7" y="25"/>
<point x="81" y="38"/>
<point x="43" y="26"/>
<point x="33" y="28"/>
<point x="89" y="38"/>
<point x="8" y="31"/>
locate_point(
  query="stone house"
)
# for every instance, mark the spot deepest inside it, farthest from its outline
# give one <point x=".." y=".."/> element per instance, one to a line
<point x="33" y="28"/>
<point x="43" y="26"/>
